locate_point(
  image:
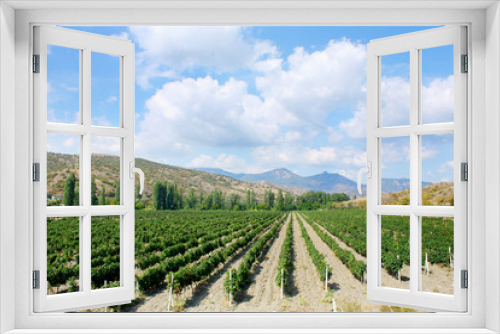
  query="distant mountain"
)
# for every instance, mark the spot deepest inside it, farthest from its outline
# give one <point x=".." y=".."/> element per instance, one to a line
<point x="395" y="185"/>
<point x="327" y="182"/>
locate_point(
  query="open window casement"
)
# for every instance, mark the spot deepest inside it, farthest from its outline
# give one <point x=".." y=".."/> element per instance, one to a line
<point x="415" y="44"/>
<point x="86" y="289"/>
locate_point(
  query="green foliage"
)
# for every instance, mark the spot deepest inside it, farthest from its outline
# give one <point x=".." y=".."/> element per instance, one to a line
<point x="93" y="190"/>
<point x="285" y="260"/>
<point x="117" y="193"/>
<point x="242" y="275"/>
<point x="314" y="254"/>
<point x="69" y="190"/>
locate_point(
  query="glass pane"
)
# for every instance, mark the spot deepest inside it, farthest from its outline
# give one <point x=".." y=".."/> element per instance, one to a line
<point x="395" y="172"/>
<point x="63" y="170"/>
<point x="105" y="252"/>
<point x="437" y="91"/>
<point x="395" y="252"/>
<point x="105" y="89"/>
<point x="395" y="90"/>
<point x="105" y="181"/>
<point x="437" y="254"/>
<point x="63" y="255"/>
<point x="437" y="170"/>
<point x="63" y="85"/>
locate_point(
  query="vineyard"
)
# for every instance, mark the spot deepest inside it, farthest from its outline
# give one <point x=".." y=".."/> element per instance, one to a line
<point x="238" y="261"/>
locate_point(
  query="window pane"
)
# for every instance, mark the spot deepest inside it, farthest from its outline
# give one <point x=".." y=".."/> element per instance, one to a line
<point x="63" y="85"/>
<point x="105" y="252"/>
<point x="63" y="255"/>
<point x="437" y="90"/>
<point x="395" y="90"/>
<point x="105" y="181"/>
<point x="395" y="253"/>
<point x="105" y="89"/>
<point x="395" y="173"/>
<point x="63" y="170"/>
<point x="437" y="250"/>
<point x="437" y="170"/>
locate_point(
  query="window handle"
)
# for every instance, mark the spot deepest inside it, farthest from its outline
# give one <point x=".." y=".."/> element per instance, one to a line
<point x="134" y="170"/>
<point x="368" y="171"/>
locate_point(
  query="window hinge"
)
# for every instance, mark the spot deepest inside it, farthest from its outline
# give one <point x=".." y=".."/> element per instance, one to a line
<point x="36" y="63"/>
<point x="36" y="172"/>
<point x="465" y="279"/>
<point x="464" y="173"/>
<point x="36" y="279"/>
<point x="465" y="64"/>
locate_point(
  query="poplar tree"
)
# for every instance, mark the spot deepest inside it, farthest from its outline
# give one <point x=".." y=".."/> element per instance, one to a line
<point x="93" y="190"/>
<point x="69" y="191"/>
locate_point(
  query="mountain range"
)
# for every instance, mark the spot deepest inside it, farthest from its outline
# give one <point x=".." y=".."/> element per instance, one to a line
<point x="327" y="182"/>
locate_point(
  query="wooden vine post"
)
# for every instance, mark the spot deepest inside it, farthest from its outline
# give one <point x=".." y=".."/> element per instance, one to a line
<point x="426" y="264"/>
<point x="451" y="260"/>
<point x="326" y="278"/>
<point x="106" y="285"/>
<point x="399" y="271"/>
<point x="170" y="293"/>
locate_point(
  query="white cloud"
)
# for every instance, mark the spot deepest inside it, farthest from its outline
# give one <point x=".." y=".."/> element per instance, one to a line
<point x="322" y="158"/>
<point x="168" y="51"/>
<point x="224" y="161"/>
<point x="437" y="105"/>
<point x="311" y="85"/>
<point x="203" y="112"/>
<point x="105" y="145"/>
<point x="438" y="101"/>
<point x="111" y="99"/>
<point x="356" y="126"/>
<point x="447" y="167"/>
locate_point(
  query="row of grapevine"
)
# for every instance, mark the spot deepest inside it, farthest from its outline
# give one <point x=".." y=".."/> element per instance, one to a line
<point x="238" y="278"/>
<point x="185" y="273"/>
<point x="285" y="265"/>
<point x="314" y="254"/>
<point x="356" y="267"/>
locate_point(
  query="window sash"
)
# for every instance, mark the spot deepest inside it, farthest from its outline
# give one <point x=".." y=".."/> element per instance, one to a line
<point x="86" y="43"/>
<point x="413" y="43"/>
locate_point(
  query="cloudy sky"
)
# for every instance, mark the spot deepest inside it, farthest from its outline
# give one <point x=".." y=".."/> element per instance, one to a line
<point x="251" y="99"/>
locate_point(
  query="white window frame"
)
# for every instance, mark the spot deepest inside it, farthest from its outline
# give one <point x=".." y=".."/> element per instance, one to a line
<point x="484" y="211"/>
<point x="86" y="43"/>
<point x="413" y="43"/>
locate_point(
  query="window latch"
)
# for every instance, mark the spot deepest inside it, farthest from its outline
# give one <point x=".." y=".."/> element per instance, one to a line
<point x="133" y="170"/>
<point x="368" y="171"/>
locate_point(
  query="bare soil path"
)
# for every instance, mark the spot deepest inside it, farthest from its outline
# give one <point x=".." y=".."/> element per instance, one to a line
<point x="440" y="279"/>
<point x="348" y="292"/>
<point x="263" y="295"/>
<point x="211" y="296"/>
<point x="157" y="301"/>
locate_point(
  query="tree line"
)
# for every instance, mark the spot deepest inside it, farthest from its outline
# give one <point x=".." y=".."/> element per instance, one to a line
<point x="169" y="196"/>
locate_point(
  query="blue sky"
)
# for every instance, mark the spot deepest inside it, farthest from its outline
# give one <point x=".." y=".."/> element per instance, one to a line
<point x="251" y="99"/>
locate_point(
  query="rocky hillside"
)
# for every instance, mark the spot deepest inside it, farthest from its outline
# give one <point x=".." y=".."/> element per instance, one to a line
<point x="106" y="171"/>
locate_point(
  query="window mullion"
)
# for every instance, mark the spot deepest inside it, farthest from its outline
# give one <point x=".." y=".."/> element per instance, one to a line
<point x="86" y="168"/>
<point x="414" y="170"/>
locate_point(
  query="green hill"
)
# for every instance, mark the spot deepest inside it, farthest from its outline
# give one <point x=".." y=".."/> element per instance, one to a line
<point x="105" y="168"/>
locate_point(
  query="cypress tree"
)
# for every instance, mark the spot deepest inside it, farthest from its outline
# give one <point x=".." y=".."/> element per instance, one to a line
<point x="93" y="190"/>
<point x="117" y="193"/>
<point x="102" y="198"/>
<point x="69" y="191"/>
